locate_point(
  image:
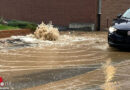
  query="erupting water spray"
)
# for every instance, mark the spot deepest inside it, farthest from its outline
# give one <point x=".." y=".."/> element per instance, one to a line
<point x="46" y="32"/>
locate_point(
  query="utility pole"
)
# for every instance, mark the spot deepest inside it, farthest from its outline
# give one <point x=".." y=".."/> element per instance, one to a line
<point x="99" y="14"/>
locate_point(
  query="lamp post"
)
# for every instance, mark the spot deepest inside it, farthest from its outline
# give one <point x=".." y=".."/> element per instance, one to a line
<point x="99" y="14"/>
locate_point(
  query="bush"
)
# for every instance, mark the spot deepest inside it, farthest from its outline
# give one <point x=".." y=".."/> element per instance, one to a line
<point x="22" y="24"/>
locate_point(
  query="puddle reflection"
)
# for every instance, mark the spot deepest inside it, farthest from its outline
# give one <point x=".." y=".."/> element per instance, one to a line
<point x="110" y="71"/>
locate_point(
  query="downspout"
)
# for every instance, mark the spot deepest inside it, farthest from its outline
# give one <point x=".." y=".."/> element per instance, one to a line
<point x="99" y="15"/>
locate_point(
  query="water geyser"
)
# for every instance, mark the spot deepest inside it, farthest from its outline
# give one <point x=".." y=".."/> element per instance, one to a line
<point x="46" y="32"/>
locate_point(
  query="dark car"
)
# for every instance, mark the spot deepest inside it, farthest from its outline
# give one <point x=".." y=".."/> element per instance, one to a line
<point x="119" y="32"/>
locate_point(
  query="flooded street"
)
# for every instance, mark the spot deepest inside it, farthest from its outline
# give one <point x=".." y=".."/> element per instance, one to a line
<point x="77" y="61"/>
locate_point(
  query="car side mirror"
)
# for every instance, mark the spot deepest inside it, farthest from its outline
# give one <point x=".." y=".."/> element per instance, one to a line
<point x="119" y="16"/>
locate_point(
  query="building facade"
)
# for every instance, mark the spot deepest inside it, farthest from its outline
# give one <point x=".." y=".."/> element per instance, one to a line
<point x="63" y="12"/>
<point x="110" y="10"/>
<point x="60" y="12"/>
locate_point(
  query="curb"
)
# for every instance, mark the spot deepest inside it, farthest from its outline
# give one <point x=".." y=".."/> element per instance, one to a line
<point x="9" y="33"/>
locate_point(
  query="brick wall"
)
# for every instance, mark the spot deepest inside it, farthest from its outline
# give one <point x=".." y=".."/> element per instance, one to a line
<point x="61" y="12"/>
<point x="111" y="8"/>
<point x="8" y="33"/>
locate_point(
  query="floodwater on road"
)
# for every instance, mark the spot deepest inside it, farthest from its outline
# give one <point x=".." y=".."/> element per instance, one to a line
<point x="77" y="61"/>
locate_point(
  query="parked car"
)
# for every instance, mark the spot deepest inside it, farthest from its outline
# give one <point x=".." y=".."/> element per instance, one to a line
<point x="119" y="32"/>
